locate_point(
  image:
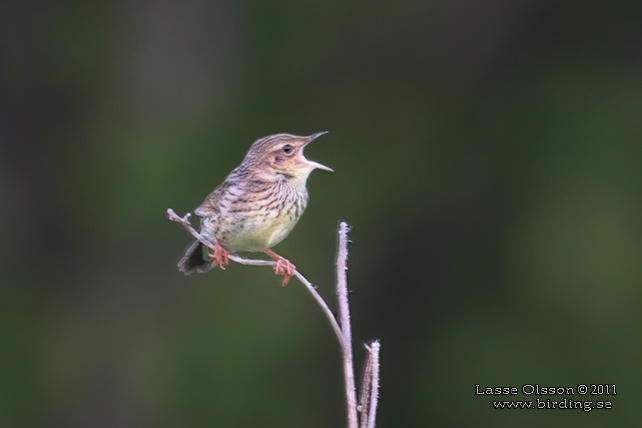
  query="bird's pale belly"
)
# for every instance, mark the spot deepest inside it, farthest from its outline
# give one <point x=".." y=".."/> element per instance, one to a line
<point x="256" y="233"/>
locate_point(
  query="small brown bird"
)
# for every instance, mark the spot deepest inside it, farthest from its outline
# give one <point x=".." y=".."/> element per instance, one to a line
<point x="256" y="206"/>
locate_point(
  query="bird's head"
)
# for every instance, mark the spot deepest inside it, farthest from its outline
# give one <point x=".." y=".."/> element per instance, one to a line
<point x="282" y="154"/>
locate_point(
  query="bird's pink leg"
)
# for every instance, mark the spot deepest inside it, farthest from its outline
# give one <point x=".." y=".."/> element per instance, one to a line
<point x="218" y="255"/>
<point x="283" y="266"/>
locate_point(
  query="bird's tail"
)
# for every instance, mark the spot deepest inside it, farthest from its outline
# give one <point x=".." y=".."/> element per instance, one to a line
<point x="193" y="260"/>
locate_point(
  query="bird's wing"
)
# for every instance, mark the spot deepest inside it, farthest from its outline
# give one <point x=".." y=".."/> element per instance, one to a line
<point x="210" y="207"/>
<point x="223" y="196"/>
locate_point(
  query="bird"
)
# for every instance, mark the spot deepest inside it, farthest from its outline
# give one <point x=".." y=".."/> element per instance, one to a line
<point x="256" y="206"/>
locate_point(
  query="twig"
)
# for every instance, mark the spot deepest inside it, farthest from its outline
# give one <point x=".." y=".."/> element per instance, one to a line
<point x="344" y="317"/>
<point x="369" y="395"/>
<point x="187" y="225"/>
<point x="253" y="262"/>
<point x="308" y="285"/>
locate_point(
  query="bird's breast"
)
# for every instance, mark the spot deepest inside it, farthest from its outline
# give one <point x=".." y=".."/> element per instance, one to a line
<point x="262" y="219"/>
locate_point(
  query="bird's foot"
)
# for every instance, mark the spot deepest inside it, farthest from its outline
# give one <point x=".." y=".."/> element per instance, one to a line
<point x="286" y="268"/>
<point x="219" y="255"/>
<point x="283" y="266"/>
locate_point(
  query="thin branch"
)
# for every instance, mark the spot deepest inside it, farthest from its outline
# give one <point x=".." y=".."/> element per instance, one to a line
<point x="253" y="262"/>
<point x="344" y="317"/>
<point x="369" y="395"/>
<point x="308" y="285"/>
<point x="187" y="225"/>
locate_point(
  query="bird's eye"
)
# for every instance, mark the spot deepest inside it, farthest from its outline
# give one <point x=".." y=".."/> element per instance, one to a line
<point x="287" y="149"/>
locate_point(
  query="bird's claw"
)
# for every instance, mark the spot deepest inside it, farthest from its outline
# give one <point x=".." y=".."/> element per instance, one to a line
<point x="284" y="267"/>
<point x="219" y="256"/>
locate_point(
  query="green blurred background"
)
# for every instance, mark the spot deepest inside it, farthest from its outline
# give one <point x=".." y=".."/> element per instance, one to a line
<point x="487" y="155"/>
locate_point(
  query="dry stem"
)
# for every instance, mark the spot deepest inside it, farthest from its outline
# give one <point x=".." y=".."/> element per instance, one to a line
<point x="370" y="386"/>
<point x="344" y="316"/>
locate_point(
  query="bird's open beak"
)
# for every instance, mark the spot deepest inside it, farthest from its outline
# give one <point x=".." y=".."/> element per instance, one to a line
<point x="313" y="164"/>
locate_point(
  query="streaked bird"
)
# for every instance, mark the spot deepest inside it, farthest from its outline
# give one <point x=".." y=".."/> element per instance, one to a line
<point x="257" y="205"/>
